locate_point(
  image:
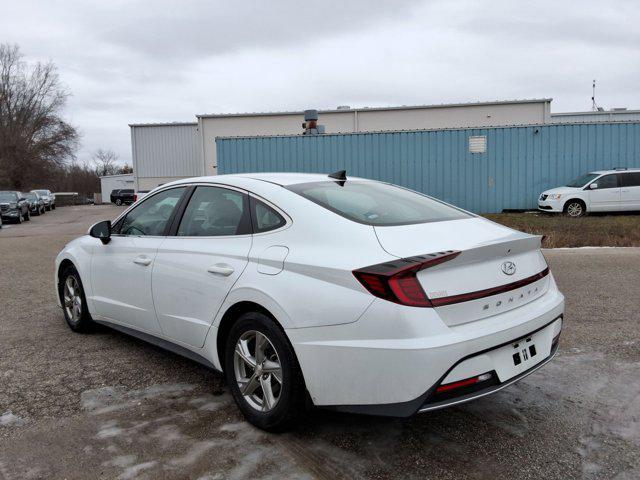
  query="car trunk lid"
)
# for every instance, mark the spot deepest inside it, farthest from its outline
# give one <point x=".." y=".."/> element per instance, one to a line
<point x="498" y="269"/>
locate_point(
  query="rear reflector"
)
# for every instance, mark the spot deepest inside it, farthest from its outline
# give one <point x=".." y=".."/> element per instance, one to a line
<point x="463" y="383"/>
<point x="396" y="281"/>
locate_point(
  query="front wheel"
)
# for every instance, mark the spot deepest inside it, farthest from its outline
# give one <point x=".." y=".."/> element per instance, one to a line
<point x="27" y="216"/>
<point x="74" y="302"/>
<point x="263" y="374"/>
<point x="118" y="202"/>
<point x="575" y="209"/>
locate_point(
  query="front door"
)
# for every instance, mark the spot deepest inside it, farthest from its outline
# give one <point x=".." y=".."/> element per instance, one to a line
<point x="606" y="197"/>
<point x="121" y="270"/>
<point x="195" y="269"/>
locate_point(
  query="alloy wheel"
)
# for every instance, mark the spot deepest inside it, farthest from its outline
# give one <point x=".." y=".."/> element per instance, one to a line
<point x="72" y="299"/>
<point x="258" y="371"/>
<point x="574" y="209"/>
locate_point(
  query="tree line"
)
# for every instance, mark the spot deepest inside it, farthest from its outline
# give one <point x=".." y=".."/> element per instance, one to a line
<point x="37" y="146"/>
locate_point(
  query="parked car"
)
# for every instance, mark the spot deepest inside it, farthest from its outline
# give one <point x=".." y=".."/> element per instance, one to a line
<point x="616" y="190"/>
<point x="48" y="198"/>
<point x="357" y="295"/>
<point x="14" y="207"/>
<point x="124" y="196"/>
<point x="36" y="203"/>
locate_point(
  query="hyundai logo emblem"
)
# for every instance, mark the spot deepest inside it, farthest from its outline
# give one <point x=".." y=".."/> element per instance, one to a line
<point x="508" y="268"/>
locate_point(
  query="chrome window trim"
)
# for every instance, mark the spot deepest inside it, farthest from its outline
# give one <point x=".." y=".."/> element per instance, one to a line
<point x="285" y="215"/>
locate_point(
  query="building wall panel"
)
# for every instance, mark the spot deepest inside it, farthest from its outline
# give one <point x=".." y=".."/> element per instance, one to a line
<point x="165" y="151"/>
<point x="518" y="164"/>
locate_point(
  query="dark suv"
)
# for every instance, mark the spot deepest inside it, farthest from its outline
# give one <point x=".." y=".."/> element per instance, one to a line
<point x="13" y="206"/>
<point x="126" y="196"/>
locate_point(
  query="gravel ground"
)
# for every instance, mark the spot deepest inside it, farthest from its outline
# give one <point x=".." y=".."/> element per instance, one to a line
<point x="105" y="405"/>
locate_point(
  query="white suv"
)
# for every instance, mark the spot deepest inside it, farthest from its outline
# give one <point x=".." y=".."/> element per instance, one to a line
<point x="615" y="190"/>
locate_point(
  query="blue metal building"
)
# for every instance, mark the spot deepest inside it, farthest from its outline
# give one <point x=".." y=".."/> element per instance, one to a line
<point x="485" y="170"/>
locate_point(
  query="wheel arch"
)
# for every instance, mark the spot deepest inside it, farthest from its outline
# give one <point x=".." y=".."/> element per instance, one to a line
<point x="575" y="199"/>
<point x="231" y="315"/>
<point x="64" y="264"/>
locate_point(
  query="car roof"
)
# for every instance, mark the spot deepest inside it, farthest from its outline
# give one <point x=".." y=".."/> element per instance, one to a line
<point x="283" y="178"/>
<point x="615" y="170"/>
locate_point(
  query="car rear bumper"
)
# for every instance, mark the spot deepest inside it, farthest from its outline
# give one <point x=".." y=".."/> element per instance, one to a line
<point x="398" y="375"/>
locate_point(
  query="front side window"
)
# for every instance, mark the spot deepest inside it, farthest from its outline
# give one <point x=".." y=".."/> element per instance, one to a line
<point x="152" y="216"/>
<point x="607" y="181"/>
<point x="377" y="204"/>
<point x="582" y="180"/>
<point x="215" y="212"/>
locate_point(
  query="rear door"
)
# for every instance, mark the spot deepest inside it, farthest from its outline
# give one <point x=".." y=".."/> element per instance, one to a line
<point x="195" y="268"/>
<point x="630" y="191"/>
<point x="121" y="269"/>
<point x="605" y="198"/>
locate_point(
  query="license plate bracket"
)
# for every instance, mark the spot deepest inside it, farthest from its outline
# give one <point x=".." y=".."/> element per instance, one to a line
<point x="524" y="351"/>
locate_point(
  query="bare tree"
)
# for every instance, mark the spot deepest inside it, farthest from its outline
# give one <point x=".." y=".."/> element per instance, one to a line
<point x="34" y="139"/>
<point x="106" y="162"/>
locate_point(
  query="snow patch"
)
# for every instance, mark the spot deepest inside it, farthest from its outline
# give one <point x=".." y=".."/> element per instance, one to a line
<point x="8" y="419"/>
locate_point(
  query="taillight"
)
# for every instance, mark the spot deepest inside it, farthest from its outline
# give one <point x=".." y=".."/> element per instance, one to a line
<point x="135" y="197"/>
<point x="396" y="280"/>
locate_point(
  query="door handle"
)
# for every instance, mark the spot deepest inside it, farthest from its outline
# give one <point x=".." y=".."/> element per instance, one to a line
<point x="222" y="269"/>
<point x="624" y="191"/>
<point x="145" y="262"/>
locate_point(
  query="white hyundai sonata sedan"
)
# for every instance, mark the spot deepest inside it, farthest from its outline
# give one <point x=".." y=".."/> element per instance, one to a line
<point x="357" y="295"/>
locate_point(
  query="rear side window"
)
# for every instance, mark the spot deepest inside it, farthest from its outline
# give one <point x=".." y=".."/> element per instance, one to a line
<point x="264" y="217"/>
<point x="377" y="204"/>
<point x="631" y="179"/>
<point x="215" y="212"/>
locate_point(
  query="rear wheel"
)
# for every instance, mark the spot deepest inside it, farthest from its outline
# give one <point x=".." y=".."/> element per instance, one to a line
<point x="575" y="209"/>
<point x="74" y="302"/>
<point x="118" y="201"/>
<point x="53" y="207"/>
<point x="263" y="373"/>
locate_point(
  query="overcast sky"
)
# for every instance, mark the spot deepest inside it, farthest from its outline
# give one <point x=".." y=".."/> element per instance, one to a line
<point x="154" y="61"/>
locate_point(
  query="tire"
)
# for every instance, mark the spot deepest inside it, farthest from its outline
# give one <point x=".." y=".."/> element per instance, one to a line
<point x="575" y="209"/>
<point x="44" y="209"/>
<point x="19" y="219"/>
<point x="74" y="305"/>
<point x="53" y="207"/>
<point x="287" y="392"/>
<point x="27" y="217"/>
<point x="48" y="209"/>
<point x="118" y="202"/>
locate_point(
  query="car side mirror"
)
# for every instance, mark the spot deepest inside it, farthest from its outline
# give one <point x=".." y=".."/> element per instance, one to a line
<point x="593" y="186"/>
<point x="101" y="230"/>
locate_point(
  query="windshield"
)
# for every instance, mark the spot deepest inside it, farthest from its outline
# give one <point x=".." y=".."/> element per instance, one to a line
<point x="377" y="204"/>
<point x="8" y="197"/>
<point x="31" y="196"/>
<point x="582" y="180"/>
<point x="42" y="192"/>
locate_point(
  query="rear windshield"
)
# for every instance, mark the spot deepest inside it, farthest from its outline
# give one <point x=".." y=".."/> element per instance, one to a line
<point x="377" y="204"/>
<point x="582" y="180"/>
